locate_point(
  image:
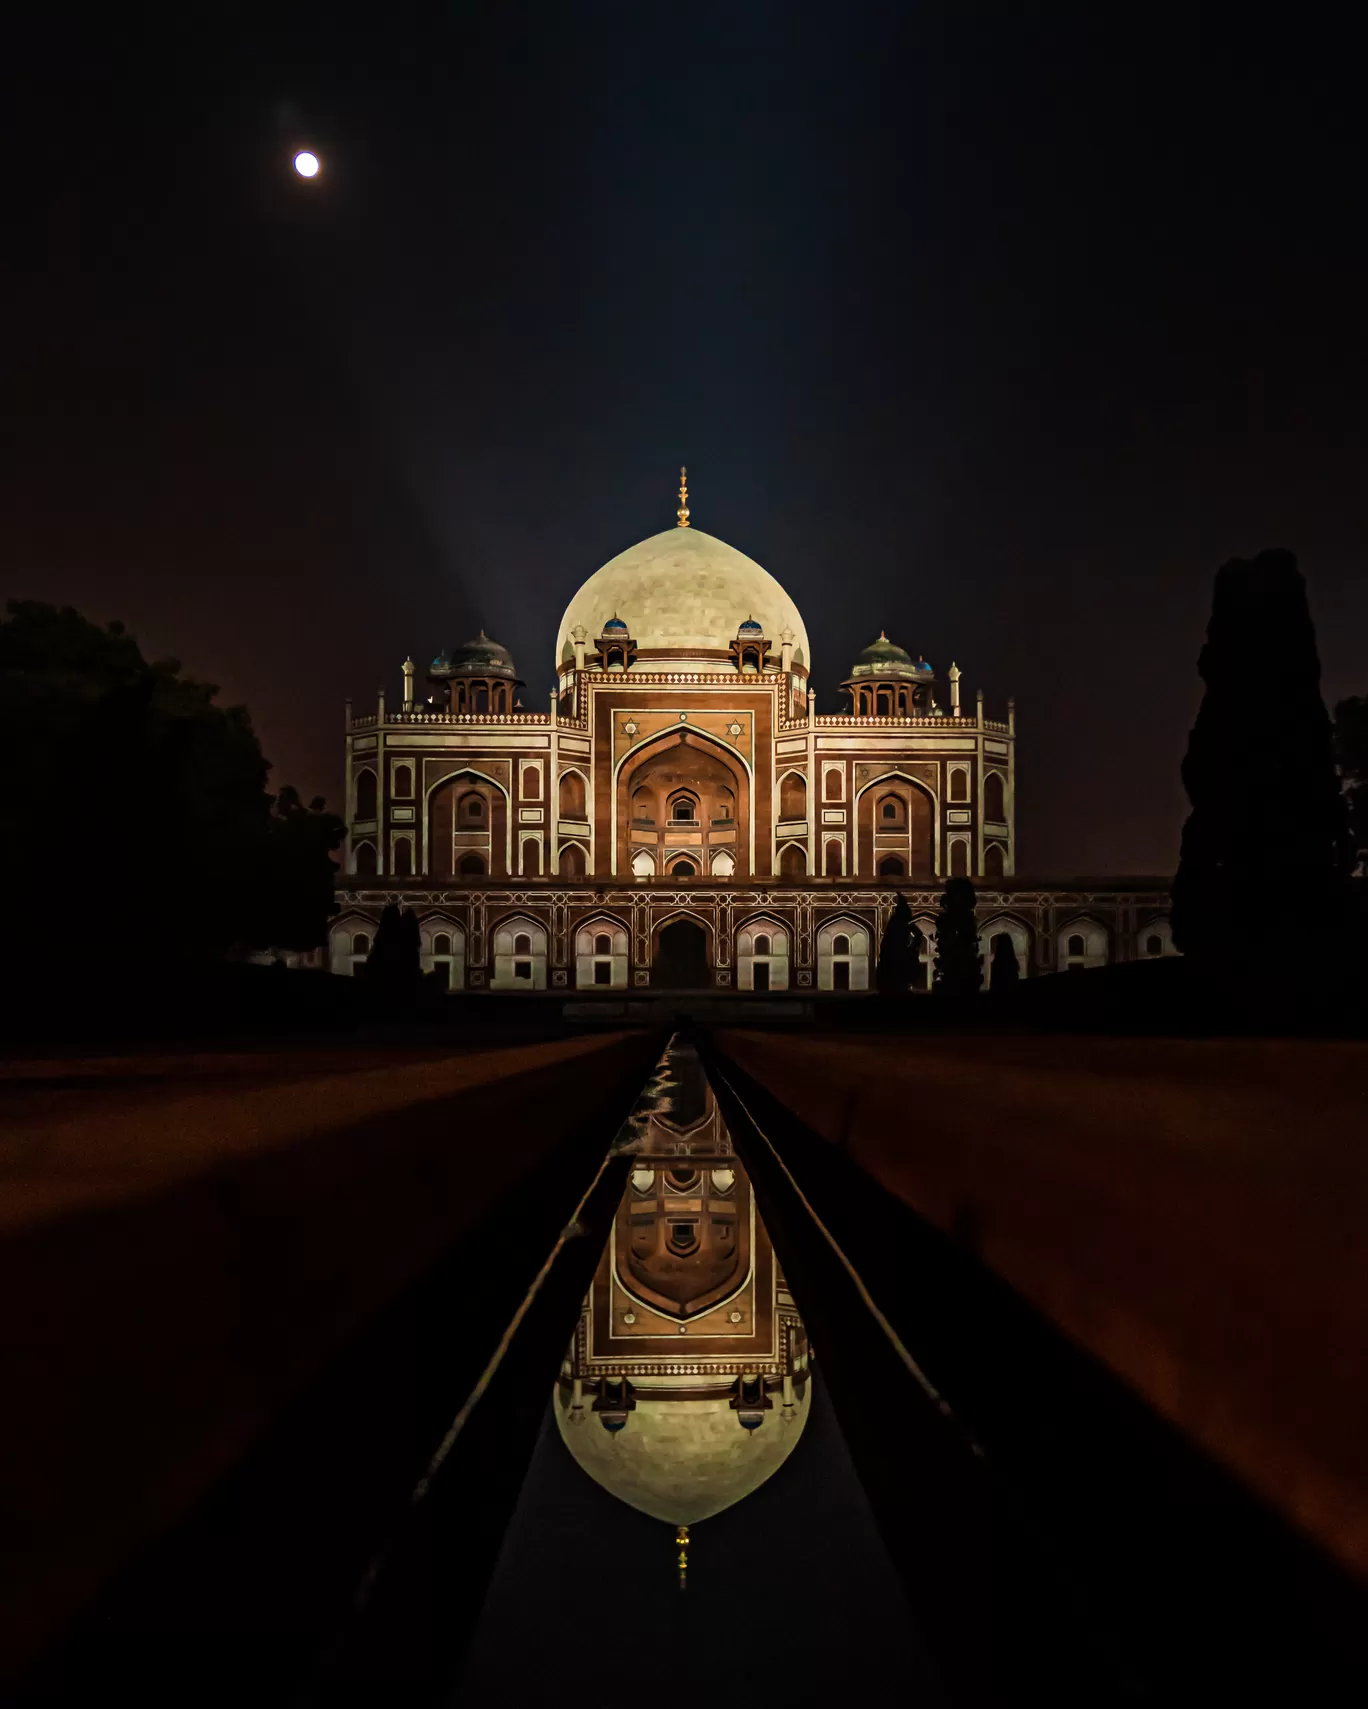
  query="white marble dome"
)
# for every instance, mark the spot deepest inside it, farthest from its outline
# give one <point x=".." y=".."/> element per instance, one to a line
<point x="683" y="589"/>
<point x="680" y="1460"/>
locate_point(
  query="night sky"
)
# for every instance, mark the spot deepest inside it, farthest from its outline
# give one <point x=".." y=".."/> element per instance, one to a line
<point x="1001" y="327"/>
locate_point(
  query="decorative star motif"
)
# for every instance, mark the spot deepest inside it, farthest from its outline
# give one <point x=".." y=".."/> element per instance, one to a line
<point x="733" y="729"/>
<point x="630" y="727"/>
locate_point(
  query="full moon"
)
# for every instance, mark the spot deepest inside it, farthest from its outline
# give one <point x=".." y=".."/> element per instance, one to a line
<point x="306" y="164"/>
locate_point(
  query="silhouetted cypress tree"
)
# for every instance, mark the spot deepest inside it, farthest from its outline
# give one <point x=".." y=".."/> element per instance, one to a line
<point x="959" y="967"/>
<point x="1268" y="823"/>
<point x="899" y="951"/>
<point x="394" y="966"/>
<point x="1003" y="972"/>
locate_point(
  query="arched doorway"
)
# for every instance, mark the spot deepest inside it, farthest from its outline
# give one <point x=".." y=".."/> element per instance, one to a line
<point x="681" y="958"/>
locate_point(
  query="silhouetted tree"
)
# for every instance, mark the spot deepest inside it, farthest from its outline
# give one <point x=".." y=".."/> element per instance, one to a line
<point x="136" y="809"/>
<point x="393" y="971"/>
<point x="959" y="967"/>
<point x="1351" y="755"/>
<point x="899" y="951"/>
<point x="289" y="898"/>
<point x="1003" y="972"/>
<point x="1268" y="815"/>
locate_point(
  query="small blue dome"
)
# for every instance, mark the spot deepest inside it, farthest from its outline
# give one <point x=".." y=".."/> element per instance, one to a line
<point x="442" y="661"/>
<point x="614" y="623"/>
<point x="751" y="627"/>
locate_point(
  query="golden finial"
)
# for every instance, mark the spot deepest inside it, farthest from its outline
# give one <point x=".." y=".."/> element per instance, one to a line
<point x="682" y="1534"/>
<point x="683" y="511"/>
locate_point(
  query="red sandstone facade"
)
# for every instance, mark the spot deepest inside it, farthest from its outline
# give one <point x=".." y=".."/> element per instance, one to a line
<point x="682" y="815"/>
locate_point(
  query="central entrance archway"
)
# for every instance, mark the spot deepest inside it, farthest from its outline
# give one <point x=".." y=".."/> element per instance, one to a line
<point x="681" y="958"/>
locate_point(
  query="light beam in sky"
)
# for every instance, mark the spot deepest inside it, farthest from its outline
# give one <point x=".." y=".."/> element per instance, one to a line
<point x="306" y="164"/>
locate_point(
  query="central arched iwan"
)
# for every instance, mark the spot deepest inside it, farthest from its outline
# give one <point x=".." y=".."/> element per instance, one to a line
<point x="683" y="795"/>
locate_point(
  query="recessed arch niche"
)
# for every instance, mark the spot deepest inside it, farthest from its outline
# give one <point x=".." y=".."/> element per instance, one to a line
<point x="681" y="953"/>
<point x="895" y="819"/>
<point x="683" y="768"/>
<point x="467" y="816"/>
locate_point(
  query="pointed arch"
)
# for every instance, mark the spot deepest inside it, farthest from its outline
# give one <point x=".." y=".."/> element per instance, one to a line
<point x="700" y="922"/>
<point x="793" y="791"/>
<point x="350" y="939"/>
<point x="456" y="774"/>
<point x="1017" y="930"/>
<point x="572" y="794"/>
<point x="923" y="816"/>
<point x="1155" y="939"/>
<point x="763" y="953"/>
<point x="442" y="942"/>
<point x="366" y="796"/>
<point x="735" y="761"/>
<point x="1081" y="942"/>
<point x="602" y="947"/>
<point x="844" y="947"/>
<point x="520" y="952"/>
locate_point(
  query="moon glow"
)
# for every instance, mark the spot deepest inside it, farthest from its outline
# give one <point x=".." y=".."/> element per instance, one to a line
<point x="306" y="164"/>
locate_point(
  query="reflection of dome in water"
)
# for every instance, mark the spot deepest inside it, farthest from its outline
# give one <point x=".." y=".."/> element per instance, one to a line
<point x="681" y="1460"/>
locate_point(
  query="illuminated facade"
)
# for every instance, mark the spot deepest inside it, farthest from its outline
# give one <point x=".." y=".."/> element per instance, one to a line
<point x="681" y="815"/>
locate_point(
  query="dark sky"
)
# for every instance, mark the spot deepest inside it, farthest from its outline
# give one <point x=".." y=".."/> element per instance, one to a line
<point x="998" y="326"/>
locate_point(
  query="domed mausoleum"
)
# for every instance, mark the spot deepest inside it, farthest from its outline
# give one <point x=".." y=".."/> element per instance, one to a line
<point x="677" y="812"/>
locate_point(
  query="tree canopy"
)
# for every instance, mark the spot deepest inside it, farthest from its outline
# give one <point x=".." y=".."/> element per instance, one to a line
<point x="959" y="966"/>
<point x="1003" y="971"/>
<point x="899" y="951"/>
<point x="393" y="973"/>
<point x="1268" y="813"/>
<point x="137" y="825"/>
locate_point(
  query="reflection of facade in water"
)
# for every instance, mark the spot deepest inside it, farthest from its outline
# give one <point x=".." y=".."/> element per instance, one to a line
<point x="686" y="1384"/>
